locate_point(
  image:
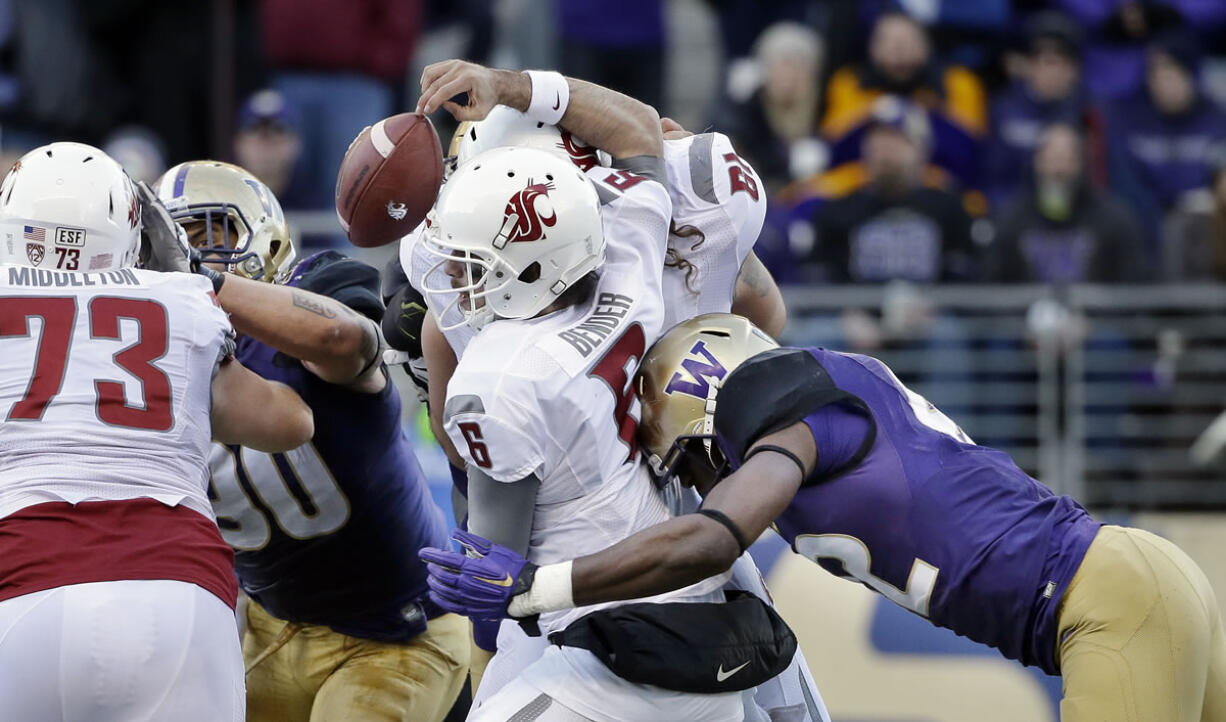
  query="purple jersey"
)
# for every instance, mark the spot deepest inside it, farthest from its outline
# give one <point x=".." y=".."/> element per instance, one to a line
<point x="328" y="533"/>
<point x="949" y="530"/>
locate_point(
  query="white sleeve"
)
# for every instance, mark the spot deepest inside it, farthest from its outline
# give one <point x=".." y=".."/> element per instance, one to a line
<point x="738" y="191"/>
<point x="492" y="438"/>
<point x="635" y="213"/>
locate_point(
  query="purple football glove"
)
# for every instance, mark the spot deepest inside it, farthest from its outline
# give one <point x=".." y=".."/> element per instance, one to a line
<point x="480" y="582"/>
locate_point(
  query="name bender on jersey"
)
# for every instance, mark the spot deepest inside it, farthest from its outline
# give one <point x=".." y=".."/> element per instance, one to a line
<point x="607" y="317"/>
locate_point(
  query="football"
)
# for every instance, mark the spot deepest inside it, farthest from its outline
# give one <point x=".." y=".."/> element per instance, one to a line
<point x="389" y="179"/>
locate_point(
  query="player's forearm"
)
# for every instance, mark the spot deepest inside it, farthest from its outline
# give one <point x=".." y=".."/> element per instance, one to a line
<point x="255" y="412"/>
<point x="617" y="124"/>
<point x="757" y="298"/>
<point x="441" y="364"/>
<point x="288" y="421"/>
<point x="667" y="556"/>
<point x="315" y="329"/>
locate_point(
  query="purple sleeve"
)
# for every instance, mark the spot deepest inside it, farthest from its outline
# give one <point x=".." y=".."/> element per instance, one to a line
<point x="839" y="432"/>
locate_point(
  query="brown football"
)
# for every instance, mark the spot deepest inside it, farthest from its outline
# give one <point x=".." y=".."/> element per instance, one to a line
<point x="389" y="179"/>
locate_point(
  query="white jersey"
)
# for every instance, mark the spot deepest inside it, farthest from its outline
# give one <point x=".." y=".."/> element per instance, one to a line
<point x="718" y="193"/>
<point x="551" y="395"/>
<point x="105" y="386"/>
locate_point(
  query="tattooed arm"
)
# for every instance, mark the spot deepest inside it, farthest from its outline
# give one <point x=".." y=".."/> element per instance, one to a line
<point x="758" y="299"/>
<point x="331" y="340"/>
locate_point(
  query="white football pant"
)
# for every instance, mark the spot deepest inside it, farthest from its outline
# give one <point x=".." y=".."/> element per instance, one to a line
<point x="120" y="652"/>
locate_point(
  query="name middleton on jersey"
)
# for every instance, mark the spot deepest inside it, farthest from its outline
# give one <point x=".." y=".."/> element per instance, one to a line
<point x="26" y="276"/>
<point x="607" y="317"/>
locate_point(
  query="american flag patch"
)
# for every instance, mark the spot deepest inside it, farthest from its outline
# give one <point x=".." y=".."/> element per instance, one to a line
<point x="34" y="233"/>
<point x="102" y="260"/>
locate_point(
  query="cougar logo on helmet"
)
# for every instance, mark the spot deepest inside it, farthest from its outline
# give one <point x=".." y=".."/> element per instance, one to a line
<point x="529" y="222"/>
<point x="133" y="212"/>
<point x="583" y="156"/>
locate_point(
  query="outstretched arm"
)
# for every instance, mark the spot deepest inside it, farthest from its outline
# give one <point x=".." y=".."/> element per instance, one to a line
<point x="692" y="547"/>
<point x="667" y="556"/>
<point x="331" y="340"/>
<point x="616" y="123"/>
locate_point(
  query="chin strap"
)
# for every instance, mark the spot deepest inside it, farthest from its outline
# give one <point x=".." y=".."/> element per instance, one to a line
<point x="708" y="417"/>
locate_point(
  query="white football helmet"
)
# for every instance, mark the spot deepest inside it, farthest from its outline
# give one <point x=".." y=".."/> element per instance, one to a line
<point x="69" y="207"/>
<point x="524" y="224"/>
<point x="506" y="126"/>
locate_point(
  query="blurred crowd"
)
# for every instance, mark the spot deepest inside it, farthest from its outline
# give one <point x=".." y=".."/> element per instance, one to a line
<point x="1060" y="142"/>
<point x="916" y="140"/>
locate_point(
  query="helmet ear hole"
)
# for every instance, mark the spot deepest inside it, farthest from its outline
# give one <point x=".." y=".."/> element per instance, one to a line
<point x="531" y="274"/>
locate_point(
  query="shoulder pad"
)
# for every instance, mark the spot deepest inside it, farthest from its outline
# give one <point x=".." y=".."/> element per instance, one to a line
<point x="349" y="281"/>
<point x="769" y="392"/>
<point x="702" y="171"/>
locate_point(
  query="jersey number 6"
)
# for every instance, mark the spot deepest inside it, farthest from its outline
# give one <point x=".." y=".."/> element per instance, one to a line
<point x="616" y="368"/>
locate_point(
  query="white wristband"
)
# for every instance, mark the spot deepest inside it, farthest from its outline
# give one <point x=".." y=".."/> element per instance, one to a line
<point x="550" y="96"/>
<point x="550" y="592"/>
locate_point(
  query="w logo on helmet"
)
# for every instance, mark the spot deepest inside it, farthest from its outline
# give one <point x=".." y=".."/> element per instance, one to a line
<point x="700" y="370"/>
<point x="523" y="220"/>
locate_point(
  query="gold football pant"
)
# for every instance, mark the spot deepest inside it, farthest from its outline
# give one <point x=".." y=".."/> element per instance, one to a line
<point x="1141" y="635"/>
<point x="322" y="676"/>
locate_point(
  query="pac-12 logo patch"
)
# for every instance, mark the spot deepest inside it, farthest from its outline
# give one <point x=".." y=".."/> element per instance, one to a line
<point x="35" y="252"/>
<point x="397" y="211"/>
<point x="524" y="218"/>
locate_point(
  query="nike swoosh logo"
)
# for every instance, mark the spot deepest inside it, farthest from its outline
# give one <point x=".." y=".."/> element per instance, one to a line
<point x="509" y="581"/>
<point x="721" y="675"/>
<point x="557" y="100"/>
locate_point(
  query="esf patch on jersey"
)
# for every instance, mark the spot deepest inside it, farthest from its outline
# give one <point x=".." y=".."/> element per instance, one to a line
<point x="74" y="237"/>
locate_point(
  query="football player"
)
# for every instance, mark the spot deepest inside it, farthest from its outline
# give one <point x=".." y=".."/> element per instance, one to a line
<point x="339" y="625"/>
<point x="559" y="319"/>
<point x="710" y="266"/>
<point x="872" y="482"/>
<point x="116" y="589"/>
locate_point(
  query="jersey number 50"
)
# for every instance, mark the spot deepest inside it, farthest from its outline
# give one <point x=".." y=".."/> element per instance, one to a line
<point x="295" y="490"/>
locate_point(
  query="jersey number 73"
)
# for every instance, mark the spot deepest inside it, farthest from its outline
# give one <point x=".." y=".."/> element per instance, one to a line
<point x="58" y="316"/>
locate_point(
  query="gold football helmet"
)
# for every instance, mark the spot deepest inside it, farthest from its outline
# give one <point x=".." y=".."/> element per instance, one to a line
<point x="458" y="139"/>
<point x="677" y="384"/>
<point x="232" y="217"/>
